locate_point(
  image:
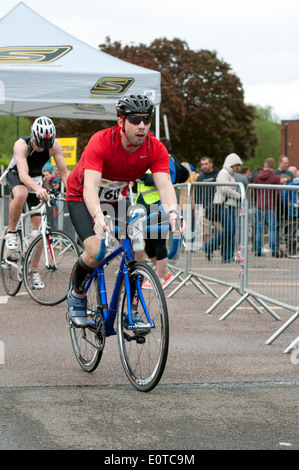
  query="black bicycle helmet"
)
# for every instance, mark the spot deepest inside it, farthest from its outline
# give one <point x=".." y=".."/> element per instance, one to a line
<point x="133" y="104"/>
<point x="43" y="132"/>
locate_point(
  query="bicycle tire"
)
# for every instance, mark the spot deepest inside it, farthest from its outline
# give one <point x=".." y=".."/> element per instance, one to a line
<point x="144" y="356"/>
<point x="54" y="278"/>
<point x="11" y="268"/>
<point x="88" y="344"/>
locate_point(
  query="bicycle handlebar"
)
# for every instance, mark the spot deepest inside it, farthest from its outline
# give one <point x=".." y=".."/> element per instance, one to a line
<point x="149" y="229"/>
<point x="52" y="197"/>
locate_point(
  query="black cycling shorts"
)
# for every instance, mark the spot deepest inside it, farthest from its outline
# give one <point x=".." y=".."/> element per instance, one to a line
<point x="83" y="222"/>
<point x="12" y="180"/>
<point x="156" y="249"/>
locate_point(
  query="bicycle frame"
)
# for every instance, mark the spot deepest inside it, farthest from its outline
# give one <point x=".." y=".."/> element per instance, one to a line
<point x="109" y="312"/>
<point x="41" y="211"/>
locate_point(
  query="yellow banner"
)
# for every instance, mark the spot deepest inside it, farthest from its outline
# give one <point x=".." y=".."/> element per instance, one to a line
<point x="69" y="150"/>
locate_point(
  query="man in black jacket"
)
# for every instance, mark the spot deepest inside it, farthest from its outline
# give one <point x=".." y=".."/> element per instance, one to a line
<point x="208" y="175"/>
<point x="205" y="195"/>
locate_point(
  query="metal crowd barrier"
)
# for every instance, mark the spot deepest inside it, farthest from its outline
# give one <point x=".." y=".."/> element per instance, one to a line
<point x="252" y="251"/>
<point x="262" y="242"/>
<point x="271" y="273"/>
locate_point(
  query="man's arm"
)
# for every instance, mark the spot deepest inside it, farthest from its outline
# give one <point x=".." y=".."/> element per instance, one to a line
<point x="167" y="195"/>
<point x="63" y="171"/>
<point x="21" y="155"/>
<point x="166" y="191"/>
<point x="92" y="181"/>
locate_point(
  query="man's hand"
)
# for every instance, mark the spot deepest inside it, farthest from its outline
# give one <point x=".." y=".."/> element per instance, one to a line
<point x="100" y="226"/>
<point x="176" y="221"/>
<point x="42" y="194"/>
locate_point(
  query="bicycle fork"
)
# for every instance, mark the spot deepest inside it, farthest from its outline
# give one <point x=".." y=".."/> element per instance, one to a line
<point x="49" y="263"/>
<point x="133" y="298"/>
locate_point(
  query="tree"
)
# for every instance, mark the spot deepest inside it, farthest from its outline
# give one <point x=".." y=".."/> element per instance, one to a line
<point x="202" y="98"/>
<point x="267" y="128"/>
<point x="11" y="129"/>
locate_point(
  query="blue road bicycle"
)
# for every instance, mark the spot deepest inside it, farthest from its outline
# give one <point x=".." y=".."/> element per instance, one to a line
<point x="143" y="348"/>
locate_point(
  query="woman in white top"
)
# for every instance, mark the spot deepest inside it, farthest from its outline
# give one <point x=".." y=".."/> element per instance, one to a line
<point x="228" y="197"/>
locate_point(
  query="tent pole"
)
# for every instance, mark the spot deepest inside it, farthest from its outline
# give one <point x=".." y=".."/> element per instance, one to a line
<point x="157" y="116"/>
<point x="165" y="120"/>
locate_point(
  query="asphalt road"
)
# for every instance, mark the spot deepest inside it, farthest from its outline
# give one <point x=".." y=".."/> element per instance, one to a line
<point x="223" y="388"/>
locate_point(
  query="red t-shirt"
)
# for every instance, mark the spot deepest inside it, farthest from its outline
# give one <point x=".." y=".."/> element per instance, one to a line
<point x="105" y="153"/>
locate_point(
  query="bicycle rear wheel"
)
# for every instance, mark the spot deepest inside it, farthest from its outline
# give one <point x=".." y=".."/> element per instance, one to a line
<point x="88" y="344"/>
<point x="11" y="267"/>
<point x="144" y="354"/>
<point x="62" y="252"/>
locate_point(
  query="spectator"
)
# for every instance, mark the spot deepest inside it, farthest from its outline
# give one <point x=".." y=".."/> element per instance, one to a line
<point x="182" y="173"/>
<point x="208" y="174"/>
<point x="47" y="178"/>
<point x="266" y="203"/>
<point x="52" y="183"/>
<point x="56" y="183"/>
<point x="155" y="248"/>
<point x="290" y="199"/>
<point x="205" y="196"/>
<point x="243" y="175"/>
<point x="294" y="171"/>
<point x="241" y="178"/>
<point x="227" y="197"/>
<point x="245" y="170"/>
<point x="286" y="176"/>
<point x="254" y="174"/>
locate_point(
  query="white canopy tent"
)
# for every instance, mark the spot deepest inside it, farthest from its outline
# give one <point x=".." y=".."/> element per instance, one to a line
<point x="45" y="71"/>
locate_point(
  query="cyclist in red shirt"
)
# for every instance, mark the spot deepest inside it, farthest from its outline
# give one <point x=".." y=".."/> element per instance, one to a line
<point x="99" y="183"/>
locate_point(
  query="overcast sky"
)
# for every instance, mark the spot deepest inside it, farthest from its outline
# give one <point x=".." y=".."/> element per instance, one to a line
<point x="258" y="38"/>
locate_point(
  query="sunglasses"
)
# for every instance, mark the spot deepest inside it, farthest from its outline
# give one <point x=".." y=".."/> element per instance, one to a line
<point x="137" y="119"/>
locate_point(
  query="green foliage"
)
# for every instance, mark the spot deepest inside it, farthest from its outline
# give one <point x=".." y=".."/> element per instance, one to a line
<point x="268" y="133"/>
<point x="202" y="98"/>
<point x="11" y="128"/>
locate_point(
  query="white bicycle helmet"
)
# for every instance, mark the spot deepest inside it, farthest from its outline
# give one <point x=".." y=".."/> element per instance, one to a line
<point x="43" y="132"/>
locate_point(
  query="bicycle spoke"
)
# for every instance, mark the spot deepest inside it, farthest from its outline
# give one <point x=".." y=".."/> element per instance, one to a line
<point x="88" y="344"/>
<point x="11" y="268"/>
<point x="53" y="266"/>
<point x="144" y="352"/>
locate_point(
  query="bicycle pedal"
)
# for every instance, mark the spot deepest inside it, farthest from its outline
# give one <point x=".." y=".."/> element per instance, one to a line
<point x="142" y="329"/>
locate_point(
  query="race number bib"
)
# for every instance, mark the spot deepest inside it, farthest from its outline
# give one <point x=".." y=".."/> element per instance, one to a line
<point x="111" y="191"/>
<point x="38" y="180"/>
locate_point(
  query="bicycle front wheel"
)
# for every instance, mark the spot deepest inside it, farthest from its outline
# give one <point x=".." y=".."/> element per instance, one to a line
<point x="47" y="269"/>
<point x="11" y="267"/>
<point x="88" y="344"/>
<point x="144" y="353"/>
